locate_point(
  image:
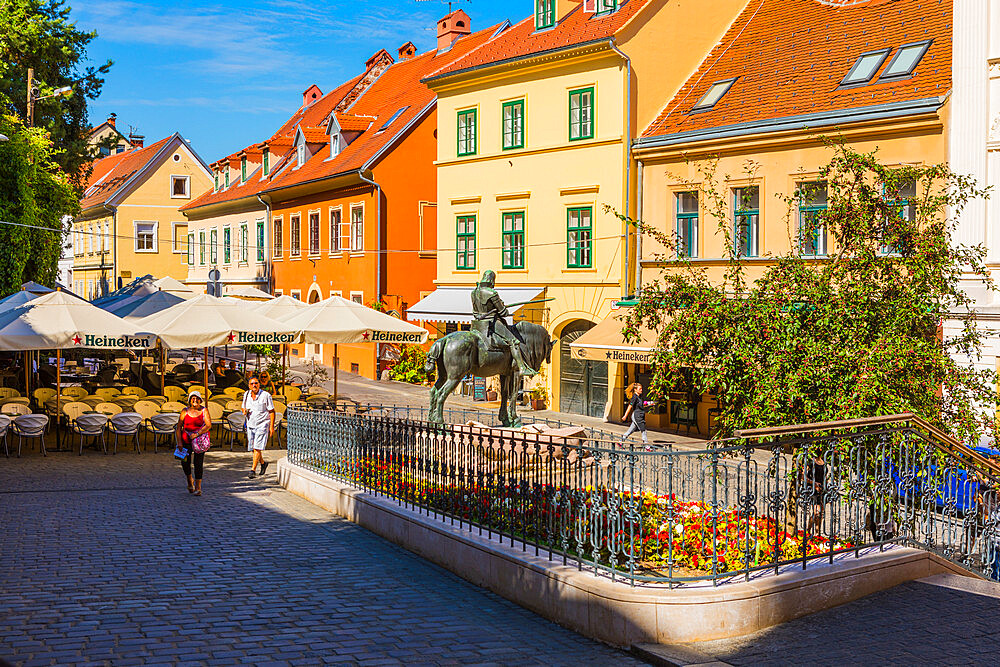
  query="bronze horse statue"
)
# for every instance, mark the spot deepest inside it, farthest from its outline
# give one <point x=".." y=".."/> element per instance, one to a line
<point x="455" y="356"/>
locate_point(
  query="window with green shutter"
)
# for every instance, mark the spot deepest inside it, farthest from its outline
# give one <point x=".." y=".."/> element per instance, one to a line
<point x="512" y="241"/>
<point x="746" y="223"/>
<point x="201" y="248"/>
<point x="467" y="132"/>
<point x="227" y="245"/>
<point x="812" y="208"/>
<point x="513" y="124"/>
<point x="243" y="170"/>
<point x="579" y="237"/>
<point x="261" y="240"/>
<point x="466" y="242"/>
<point x="581" y="114"/>
<point x="687" y="224"/>
<point x="545" y="14"/>
<point x="267" y="161"/>
<point x="190" y="249"/>
<point x="213" y="246"/>
<point x="227" y="177"/>
<point x="244" y="243"/>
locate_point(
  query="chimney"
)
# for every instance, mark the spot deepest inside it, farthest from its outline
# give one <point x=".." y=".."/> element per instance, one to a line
<point x="311" y="94"/>
<point x="111" y="119"/>
<point x="451" y="27"/>
<point x="564" y="7"/>
<point x="136" y="139"/>
<point x="407" y="51"/>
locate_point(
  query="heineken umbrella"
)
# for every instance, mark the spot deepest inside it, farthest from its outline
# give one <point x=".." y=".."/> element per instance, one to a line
<point x="247" y="292"/>
<point x="279" y="308"/>
<point x="338" y="320"/>
<point x="58" y="321"/>
<point x="206" y="321"/>
<point x="35" y="288"/>
<point x="174" y="286"/>
<point x="17" y="299"/>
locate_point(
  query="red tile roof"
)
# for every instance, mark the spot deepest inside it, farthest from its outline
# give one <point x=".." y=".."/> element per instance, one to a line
<point x="353" y="123"/>
<point x="276" y="145"/>
<point x="112" y="172"/>
<point x="397" y="88"/>
<point x="521" y="40"/>
<point x="791" y="55"/>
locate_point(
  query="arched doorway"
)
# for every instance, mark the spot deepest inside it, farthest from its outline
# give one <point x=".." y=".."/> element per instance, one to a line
<point x="583" y="385"/>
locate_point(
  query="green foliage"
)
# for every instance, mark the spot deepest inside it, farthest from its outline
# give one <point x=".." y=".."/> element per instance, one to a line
<point x="410" y="367"/>
<point x="857" y="334"/>
<point x="35" y="195"/>
<point x="272" y="364"/>
<point x="40" y="34"/>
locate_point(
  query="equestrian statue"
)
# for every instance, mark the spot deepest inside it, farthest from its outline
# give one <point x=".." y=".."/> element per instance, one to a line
<point x="492" y="346"/>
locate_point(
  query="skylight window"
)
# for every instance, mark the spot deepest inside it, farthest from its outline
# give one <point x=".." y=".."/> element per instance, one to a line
<point x="865" y="67"/>
<point x="392" y="119"/>
<point x="714" y="94"/>
<point x="905" y="60"/>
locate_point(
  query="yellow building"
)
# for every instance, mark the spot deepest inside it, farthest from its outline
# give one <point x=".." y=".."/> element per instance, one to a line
<point x="129" y="224"/>
<point x="534" y="130"/>
<point x="751" y="134"/>
<point x="107" y="139"/>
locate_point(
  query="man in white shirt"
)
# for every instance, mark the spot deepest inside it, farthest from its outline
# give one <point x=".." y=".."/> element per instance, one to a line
<point x="258" y="407"/>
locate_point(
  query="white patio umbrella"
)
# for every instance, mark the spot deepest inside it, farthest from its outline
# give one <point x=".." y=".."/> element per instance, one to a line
<point x="206" y="321"/>
<point x="338" y="320"/>
<point x="174" y="286"/>
<point x="58" y="321"/>
<point x="247" y="292"/>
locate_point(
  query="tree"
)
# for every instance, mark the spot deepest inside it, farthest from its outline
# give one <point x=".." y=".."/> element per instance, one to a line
<point x="854" y="335"/>
<point x="40" y="34"/>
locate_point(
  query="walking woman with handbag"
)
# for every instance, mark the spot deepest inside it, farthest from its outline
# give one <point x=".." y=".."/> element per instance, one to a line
<point x="193" y="440"/>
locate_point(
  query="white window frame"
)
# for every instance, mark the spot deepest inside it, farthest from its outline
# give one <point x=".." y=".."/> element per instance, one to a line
<point x="190" y="248"/>
<point x="319" y="232"/>
<point x="176" y="246"/>
<point x="262" y="249"/>
<point x="295" y="250"/>
<point x="357" y="234"/>
<point x="360" y="295"/>
<point x="213" y="246"/>
<point x="300" y="154"/>
<point x="106" y="247"/>
<point x="135" y="235"/>
<point x="244" y="258"/>
<point x="222" y="246"/>
<point x="187" y="186"/>
<point x="335" y="232"/>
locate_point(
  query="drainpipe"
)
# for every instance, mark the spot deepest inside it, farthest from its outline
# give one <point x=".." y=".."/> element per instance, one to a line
<point x="268" y="255"/>
<point x="628" y="152"/>
<point x="378" y="255"/>
<point x="638" y="236"/>
<point x="113" y="284"/>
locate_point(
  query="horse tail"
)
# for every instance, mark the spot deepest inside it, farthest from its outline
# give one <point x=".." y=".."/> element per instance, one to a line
<point x="433" y="355"/>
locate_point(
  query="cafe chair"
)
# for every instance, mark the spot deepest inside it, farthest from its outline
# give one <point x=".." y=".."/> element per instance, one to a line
<point x="234" y="424"/>
<point x="160" y="425"/>
<point x="75" y="392"/>
<point x="290" y="392"/>
<point x="146" y="408"/>
<point x="216" y="413"/>
<point x="30" y="426"/>
<point x="9" y="392"/>
<point x="15" y="409"/>
<point x="175" y="393"/>
<point x="42" y="394"/>
<point x="91" y="425"/>
<point x="74" y="409"/>
<point x="108" y="409"/>
<point x="279" y="422"/>
<point x="172" y="406"/>
<point x="235" y="392"/>
<point x="126" y="424"/>
<point x="134" y="391"/>
<point x="107" y="393"/>
<point x="4" y="428"/>
<point x="107" y="375"/>
<point x="153" y="398"/>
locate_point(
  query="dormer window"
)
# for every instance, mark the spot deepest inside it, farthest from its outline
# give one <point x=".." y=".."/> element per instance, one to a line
<point x="300" y="154"/>
<point x="227" y="176"/>
<point x="243" y="169"/>
<point x="216" y="181"/>
<point x="605" y="6"/>
<point x="336" y="144"/>
<point x="545" y="14"/>
<point x="267" y="160"/>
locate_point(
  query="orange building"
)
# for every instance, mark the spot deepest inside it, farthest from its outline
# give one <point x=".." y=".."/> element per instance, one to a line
<point x="353" y="197"/>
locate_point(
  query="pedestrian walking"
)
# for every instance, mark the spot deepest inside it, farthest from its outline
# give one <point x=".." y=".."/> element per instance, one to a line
<point x="193" y="439"/>
<point x="258" y="407"/>
<point x="637" y="411"/>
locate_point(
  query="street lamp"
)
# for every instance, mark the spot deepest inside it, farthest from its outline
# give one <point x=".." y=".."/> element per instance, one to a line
<point x="33" y="95"/>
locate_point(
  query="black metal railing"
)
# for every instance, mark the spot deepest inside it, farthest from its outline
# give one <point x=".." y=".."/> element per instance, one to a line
<point x="762" y="501"/>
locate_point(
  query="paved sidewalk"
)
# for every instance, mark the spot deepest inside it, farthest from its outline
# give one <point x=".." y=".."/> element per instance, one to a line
<point x="108" y="560"/>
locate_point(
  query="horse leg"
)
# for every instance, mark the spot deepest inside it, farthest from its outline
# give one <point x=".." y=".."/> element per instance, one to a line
<point x="443" y="393"/>
<point x="504" y="409"/>
<point x="513" y="381"/>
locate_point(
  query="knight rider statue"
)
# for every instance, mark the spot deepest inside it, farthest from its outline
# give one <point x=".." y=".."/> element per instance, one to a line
<point x="489" y="322"/>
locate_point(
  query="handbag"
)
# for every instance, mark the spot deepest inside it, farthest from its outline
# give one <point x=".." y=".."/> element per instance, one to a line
<point x="201" y="444"/>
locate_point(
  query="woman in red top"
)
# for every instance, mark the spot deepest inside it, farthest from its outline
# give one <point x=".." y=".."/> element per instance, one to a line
<point x="192" y="434"/>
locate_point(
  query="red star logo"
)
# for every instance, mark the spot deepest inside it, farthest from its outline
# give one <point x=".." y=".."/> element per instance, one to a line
<point x="365" y="335"/>
<point x="77" y="340"/>
<point x="232" y="336"/>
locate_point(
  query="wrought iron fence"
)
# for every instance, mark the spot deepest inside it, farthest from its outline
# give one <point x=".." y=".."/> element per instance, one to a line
<point x="759" y="502"/>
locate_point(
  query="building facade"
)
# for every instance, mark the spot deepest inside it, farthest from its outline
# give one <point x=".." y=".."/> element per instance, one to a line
<point x="744" y="139"/>
<point x="534" y="166"/>
<point x="130" y="224"/>
<point x="353" y="200"/>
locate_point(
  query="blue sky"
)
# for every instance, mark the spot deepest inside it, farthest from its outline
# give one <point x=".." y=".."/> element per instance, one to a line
<point x="227" y="74"/>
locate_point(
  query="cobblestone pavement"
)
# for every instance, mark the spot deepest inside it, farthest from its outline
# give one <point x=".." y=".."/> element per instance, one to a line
<point x="108" y="560"/>
<point x="912" y="624"/>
